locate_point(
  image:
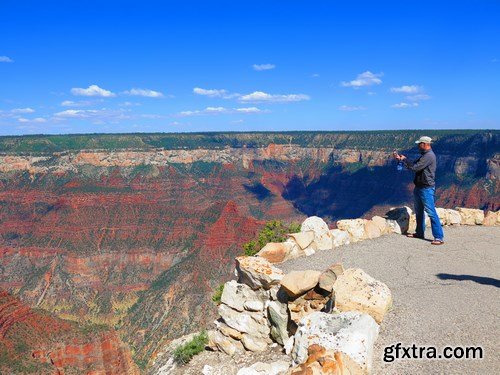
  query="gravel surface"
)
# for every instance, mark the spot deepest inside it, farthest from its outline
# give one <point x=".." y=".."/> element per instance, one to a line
<point x="446" y="295"/>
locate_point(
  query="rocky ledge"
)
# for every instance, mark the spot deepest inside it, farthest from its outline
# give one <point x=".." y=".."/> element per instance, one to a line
<point x="314" y="322"/>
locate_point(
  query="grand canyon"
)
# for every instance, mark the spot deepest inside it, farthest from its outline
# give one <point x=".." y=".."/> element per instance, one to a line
<point x="112" y="245"/>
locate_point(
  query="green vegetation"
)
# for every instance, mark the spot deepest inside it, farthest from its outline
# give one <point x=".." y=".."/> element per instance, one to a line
<point x="185" y="352"/>
<point x="380" y="139"/>
<point x="273" y="231"/>
<point x="218" y="294"/>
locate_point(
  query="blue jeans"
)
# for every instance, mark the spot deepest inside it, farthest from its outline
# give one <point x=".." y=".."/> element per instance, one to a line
<point x="424" y="201"/>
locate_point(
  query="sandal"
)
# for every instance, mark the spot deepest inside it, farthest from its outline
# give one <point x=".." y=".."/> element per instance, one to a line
<point x="414" y="235"/>
<point x="437" y="242"/>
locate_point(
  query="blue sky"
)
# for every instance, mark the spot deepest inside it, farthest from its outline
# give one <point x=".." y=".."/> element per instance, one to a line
<point x="164" y="66"/>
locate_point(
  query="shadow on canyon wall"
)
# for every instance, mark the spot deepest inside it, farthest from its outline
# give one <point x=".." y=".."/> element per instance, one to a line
<point x="355" y="190"/>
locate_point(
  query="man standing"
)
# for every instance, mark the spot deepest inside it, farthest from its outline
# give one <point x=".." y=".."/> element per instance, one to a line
<point x="425" y="172"/>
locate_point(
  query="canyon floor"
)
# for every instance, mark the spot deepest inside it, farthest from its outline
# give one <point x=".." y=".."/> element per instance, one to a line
<point x="446" y="295"/>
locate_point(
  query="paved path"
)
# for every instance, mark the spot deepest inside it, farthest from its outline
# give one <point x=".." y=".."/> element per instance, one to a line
<point x="443" y="295"/>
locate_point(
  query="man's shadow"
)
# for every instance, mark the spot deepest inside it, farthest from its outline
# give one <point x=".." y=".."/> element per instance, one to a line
<point x="478" y="279"/>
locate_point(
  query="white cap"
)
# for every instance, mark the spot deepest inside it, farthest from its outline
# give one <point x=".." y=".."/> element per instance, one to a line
<point x="424" y="139"/>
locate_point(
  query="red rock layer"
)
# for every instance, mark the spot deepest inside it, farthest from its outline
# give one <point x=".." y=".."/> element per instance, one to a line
<point x="32" y="341"/>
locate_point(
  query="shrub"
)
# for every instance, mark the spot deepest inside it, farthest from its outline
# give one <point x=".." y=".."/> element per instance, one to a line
<point x="273" y="231"/>
<point x="185" y="352"/>
<point x="218" y="294"/>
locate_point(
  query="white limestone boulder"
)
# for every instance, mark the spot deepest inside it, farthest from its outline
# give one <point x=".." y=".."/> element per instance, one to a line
<point x="240" y="296"/>
<point x="322" y="237"/>
<point x="297" y="283"/>
<point x="254" y="323"/>
<point x="402" y="216"/>
<point x="340" y="237"/>
<point x="358" y="291"/>
<point x="256" y="272"/>
<point x="471" y="216"/>
<point x="355" y="228"/>
<point x="351" y="333"/>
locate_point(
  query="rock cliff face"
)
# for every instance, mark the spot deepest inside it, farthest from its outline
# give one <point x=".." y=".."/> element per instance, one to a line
<point x="138" y="238"/>
<point x="32" y="341"/>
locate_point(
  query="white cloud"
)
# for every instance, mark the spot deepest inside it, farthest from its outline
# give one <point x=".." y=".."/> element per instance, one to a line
<point x="364" y="79"/>
<point x="92" y="90"/>
<point x="215" y="93"/>
<point x="97" y="116"/>
<point x="221" y="110"/>
<point x="81" y="103"/>
<point x="248" y="110"/>
<point x="418" y="97"/>
<point x="259" y="96"/>
<point x="144" y="92"/>
<point x="260" y="67"/>
<point x="22" y="110"/>
<point x="129" y="104"/>
<point x="35" y="120"/>
<point x="404" y="105"/>
<point x="407" y="89"/>
<point x="349" y="108"/>
<point x="315" y="75"/>
<point x="6" y="59"/>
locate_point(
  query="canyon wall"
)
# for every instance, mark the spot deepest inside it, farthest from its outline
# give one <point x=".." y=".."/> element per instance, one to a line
<point x="138" y="238"/>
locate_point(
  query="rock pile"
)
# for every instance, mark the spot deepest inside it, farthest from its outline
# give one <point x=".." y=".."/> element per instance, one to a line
<point x="336" y="310"/>
<point x="315" y="234"/>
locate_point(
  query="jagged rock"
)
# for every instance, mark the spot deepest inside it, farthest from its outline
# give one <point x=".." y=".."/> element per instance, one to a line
<point x="402" y="216"/>
<point x="228" y="331"/>
<point x="253" y="343"/>
<point x="257" y="272"/>
<point x="322" y="237"/>
<point x="297" y="283"/>
<point x="310" y="250"/>
<point x="372" y="230"/>
<point x="275" y="252"/>
<point x="217" y="341"/>
<point x="308" y="303"/>
<point x="381" y="223"/>
<point x="321" y="361"/>
<point x="454" y="217"/>
<point x="207" y="370"/>
<point x="241" y="297"/>
<point x="253" y="305"/>
<point x="328" y="277"/>
<point x="394" y="227"/>
<point x="289" y="345"/>
<point x="356" y="290"/>
<point x="246" y="322"/>
<point x="278" y="316"/>
<point x="471" y="216"/>
<point x="492" y="218"/>
<point x="351" y="333"/>
<point x="294" y="249"/>
<point x="260" y="368"/>
<point x="303" y="239"/>
<point x="340" y="237"/>
<point x="355" y="228"/>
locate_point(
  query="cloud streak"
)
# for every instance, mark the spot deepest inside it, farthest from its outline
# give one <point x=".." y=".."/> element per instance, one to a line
<point x="221" y="110"/>
<point x="262" y="97"/>
<point x="407" y="89"/>
<point x="92" y="90"/>
<point x="6" y="59"/>
<point x="350" y="108"/>
<point x="261" y="67"/>
<point x="147" y="93"/>
<point x="404" y="105"/>
<point x="364" y="79"/>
